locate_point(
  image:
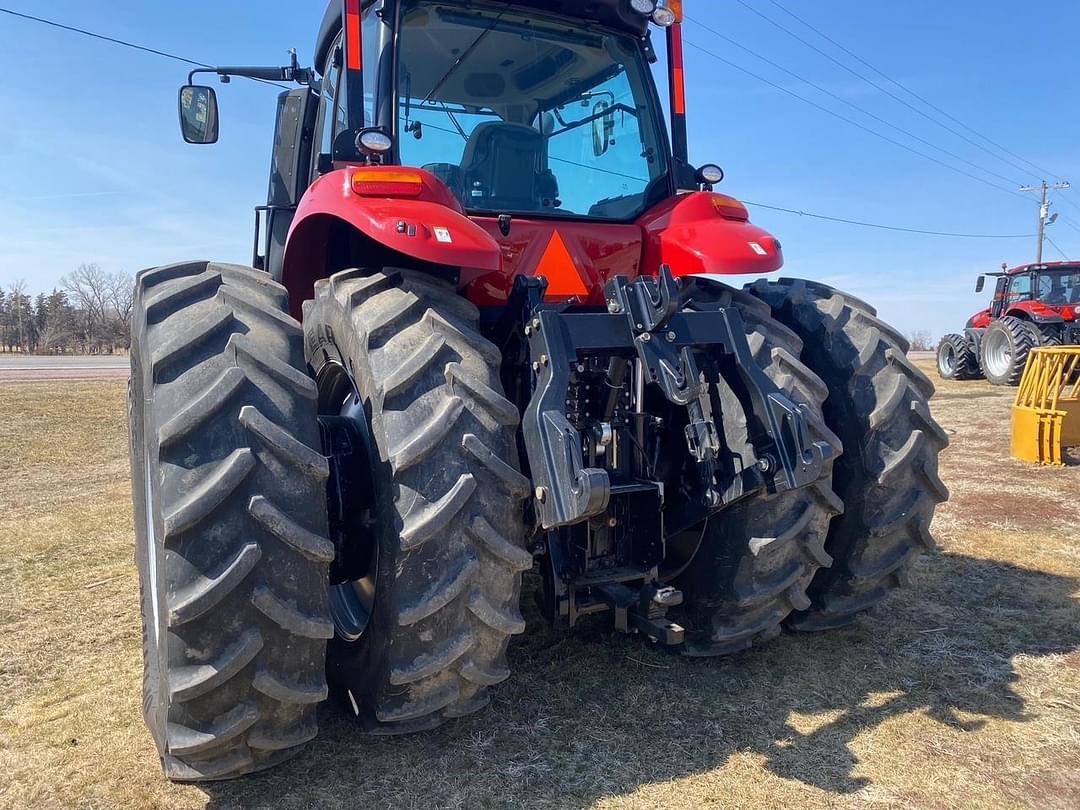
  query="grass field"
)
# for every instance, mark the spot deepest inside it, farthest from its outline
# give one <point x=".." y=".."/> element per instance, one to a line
<point x="961" y="691"/>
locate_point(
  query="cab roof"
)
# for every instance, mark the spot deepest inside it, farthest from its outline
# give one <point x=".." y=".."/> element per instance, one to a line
<point x="611" y="13"/>
<point x="1027" y="268"/>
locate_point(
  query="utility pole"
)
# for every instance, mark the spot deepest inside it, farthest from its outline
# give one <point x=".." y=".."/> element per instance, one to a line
<point x="1044" y="211"/>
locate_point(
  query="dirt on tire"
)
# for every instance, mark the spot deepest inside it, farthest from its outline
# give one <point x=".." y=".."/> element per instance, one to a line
<point x="757" y="558"/>
<point x="448" y="518"/>
<point x="888" y="479"/>
<point x="230" y="520"/>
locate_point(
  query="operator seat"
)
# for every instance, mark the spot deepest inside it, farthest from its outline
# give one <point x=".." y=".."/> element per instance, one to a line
<point x="502" y="169"/>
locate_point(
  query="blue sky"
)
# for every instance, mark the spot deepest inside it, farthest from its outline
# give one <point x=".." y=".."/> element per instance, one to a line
<point x="94" y="170"/>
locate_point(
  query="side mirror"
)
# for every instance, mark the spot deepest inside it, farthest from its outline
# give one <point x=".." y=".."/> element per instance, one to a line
<point x="980" y="283"/>
<point x="198" y="114"/>
<point x="603" y="127"/>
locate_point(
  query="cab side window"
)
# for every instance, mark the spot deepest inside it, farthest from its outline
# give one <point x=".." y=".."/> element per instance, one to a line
<point x="1019" y="288"/>
<point x="331" y="118"/>
<point x="333" y="101"/>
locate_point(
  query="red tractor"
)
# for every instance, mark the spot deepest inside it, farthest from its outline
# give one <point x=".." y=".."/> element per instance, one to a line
<point x="1034" y="305"/>
<point x="484" y="335"/>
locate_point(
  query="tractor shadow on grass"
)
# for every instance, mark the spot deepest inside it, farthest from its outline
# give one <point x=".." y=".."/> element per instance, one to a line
<point x="596" y="715"/>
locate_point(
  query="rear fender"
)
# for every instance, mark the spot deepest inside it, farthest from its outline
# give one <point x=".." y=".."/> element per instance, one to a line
<point x="703" y="232"/>
<point x="427" y="230"/>
<point x="1036" y="311"/>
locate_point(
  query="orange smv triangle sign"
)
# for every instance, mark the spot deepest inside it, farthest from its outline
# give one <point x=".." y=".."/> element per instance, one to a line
<point x="557" y="266"/>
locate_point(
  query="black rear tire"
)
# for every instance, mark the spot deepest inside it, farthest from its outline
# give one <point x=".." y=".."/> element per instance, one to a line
<point x="448" y="514"/>
<point x="956" y="359"/>
<point x="878" y="404"/>
<point x="1005" y="347"/>
<point x="230" y="520"/>
<point x="757" y="557"/>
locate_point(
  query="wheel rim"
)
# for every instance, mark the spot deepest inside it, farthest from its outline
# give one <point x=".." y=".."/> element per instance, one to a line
<point x="947" y="360"/>
<point x="350" y="501"/>
<point x="997" y="353"/>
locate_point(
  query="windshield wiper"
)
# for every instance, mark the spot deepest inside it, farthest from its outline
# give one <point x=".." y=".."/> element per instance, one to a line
<point x="466" y="53"/>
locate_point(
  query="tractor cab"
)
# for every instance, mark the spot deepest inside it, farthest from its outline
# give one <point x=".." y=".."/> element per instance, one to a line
<point x="1042" y="293"/>
<point x="539" y="122"/>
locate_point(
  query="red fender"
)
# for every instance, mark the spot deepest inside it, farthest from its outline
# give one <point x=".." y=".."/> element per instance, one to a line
<point x="702" y="232"/>
<point x="408" y="211"/>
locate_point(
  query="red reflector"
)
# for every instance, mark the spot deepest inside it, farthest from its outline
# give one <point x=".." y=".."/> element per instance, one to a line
<point x="353" y="43"/>
<point x="381" y="183"/>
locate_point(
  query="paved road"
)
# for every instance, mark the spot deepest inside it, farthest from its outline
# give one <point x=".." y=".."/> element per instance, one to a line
<point x="30" y="368"/>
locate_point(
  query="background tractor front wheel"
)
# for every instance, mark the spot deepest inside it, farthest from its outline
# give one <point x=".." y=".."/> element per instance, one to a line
<point x="1005" y="348"/>
<point x="424" y="620"/>
<point x="230" y="520"/>
<point x="878" y="405"/>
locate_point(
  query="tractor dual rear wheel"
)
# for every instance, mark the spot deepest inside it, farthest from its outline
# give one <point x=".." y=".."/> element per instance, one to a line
<point x="757" y="558"/>
<point x="230" y="520"/>
<point x="422" y="629"/>
<point x="956" y="359"/>
<point x="878" y="405"/>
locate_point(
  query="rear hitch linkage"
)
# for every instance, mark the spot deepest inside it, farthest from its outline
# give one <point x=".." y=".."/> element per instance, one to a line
<point x="647" y="334"/>
<point x="643" y="317"/>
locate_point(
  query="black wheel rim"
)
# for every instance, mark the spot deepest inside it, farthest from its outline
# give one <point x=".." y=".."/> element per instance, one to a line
<point x="346" y="438"/>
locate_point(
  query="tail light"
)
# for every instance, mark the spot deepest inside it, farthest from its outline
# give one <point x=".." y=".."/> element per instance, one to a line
<point x="387" y="183"/>
<point x="730" y="208"/>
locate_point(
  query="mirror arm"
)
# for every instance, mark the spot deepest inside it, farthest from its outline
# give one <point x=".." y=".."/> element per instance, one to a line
<point x="293" y="73"/>
<point x="588" y="120"/>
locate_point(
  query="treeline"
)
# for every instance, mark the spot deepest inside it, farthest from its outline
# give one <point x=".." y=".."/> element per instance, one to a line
<point x="89" y="313"/>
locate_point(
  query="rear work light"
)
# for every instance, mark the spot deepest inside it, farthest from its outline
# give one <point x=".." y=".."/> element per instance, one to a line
<point x="668" y="13"/>
<point x="387" y="183"/>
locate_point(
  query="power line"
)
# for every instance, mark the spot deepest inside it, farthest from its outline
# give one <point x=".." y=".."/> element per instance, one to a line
<point x="1068" y="222"/>
<point x="874" y="84"/>
<point x="912" y="93"/>
<point x="1059" y="250"/>
<point x="851" y="104"/>
<point x="854" y="123"/>
<point x="890" y="227"/>
<point x="122" y="42"/>
<point x="800" y="213"/>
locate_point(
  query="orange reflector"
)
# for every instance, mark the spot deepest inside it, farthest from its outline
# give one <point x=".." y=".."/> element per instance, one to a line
<point x="676" y="8"/>
<point x="730" y="208"/>
<point x="384" y="183"/>
<point x="557" y="266"/>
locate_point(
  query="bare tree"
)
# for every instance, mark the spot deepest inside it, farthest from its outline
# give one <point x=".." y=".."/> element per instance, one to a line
<point x="122" y="299"/>
<point x="90" y="288"/>
<point x="17" y="304"/>
<point x="921" y="341"/>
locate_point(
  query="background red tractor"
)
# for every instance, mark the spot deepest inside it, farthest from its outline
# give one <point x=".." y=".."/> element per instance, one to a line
<point x="510" y="359"/>
<point x="1034" y="305"/>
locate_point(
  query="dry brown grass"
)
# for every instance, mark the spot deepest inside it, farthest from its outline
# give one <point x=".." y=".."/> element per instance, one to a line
<point x="962" y="691"/>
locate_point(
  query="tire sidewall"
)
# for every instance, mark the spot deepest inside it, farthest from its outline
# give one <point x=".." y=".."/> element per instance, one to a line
<point x="142" y="448"/>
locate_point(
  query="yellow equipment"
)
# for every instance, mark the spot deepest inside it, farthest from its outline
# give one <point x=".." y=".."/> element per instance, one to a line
<point x="1046" y="414"/>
